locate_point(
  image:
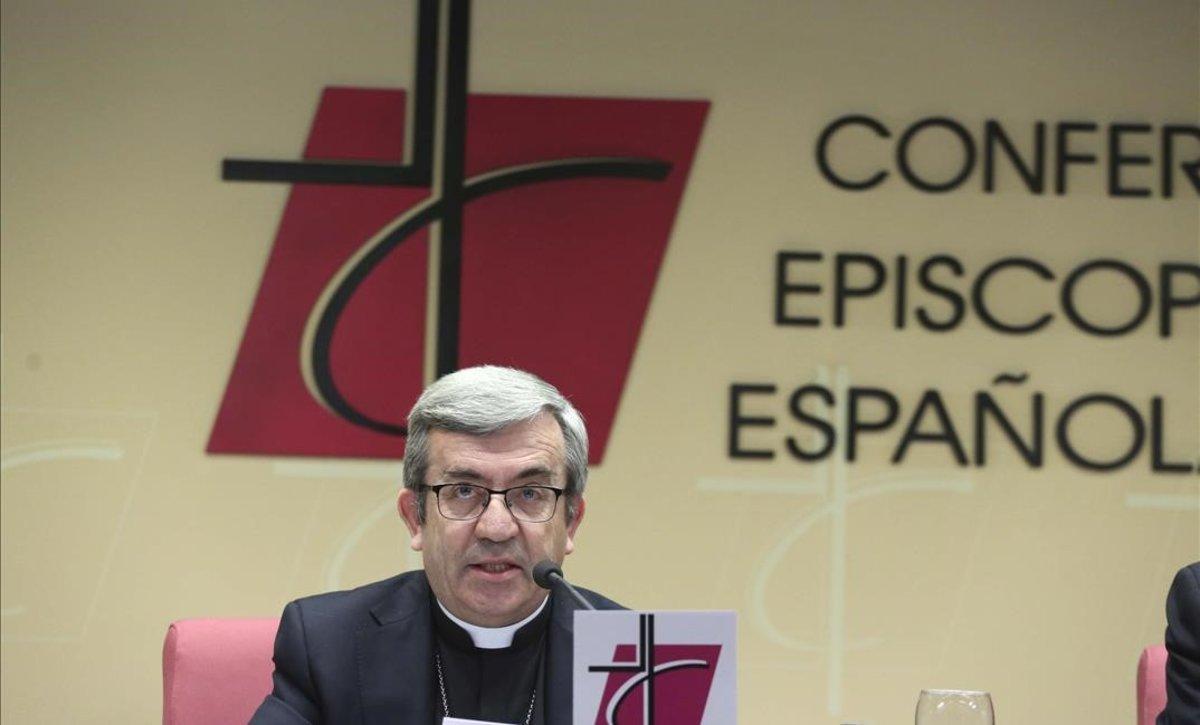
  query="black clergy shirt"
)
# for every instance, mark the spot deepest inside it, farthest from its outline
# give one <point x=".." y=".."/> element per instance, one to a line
<point x="491" y="684"/>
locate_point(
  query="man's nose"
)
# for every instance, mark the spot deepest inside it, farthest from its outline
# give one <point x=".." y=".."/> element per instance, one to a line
<point x="497" y="522"/>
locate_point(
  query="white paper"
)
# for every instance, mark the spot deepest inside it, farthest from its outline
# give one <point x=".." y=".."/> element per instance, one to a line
<point x="463" y="721"/>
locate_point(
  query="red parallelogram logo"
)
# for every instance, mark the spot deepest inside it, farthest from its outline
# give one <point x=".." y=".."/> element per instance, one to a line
<point x="510" y="230"/>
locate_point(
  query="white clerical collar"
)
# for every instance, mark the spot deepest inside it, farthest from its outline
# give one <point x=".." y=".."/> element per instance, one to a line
<point x="493" y="637"/>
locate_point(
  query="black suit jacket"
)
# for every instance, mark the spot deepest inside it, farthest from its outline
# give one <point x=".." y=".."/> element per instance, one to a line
<point x="1183" y="649"/>
<point x="365" y="657"/>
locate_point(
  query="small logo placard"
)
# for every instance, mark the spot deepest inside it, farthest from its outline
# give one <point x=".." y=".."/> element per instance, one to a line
<point x="655" y="668"/>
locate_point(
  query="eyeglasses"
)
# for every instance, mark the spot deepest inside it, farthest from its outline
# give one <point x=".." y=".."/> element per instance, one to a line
<point x="466" y="501"/>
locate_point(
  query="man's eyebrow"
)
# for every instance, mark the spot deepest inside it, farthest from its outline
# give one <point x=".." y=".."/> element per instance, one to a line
<point x="536" y="471"/>
<point x="468" y="473"/>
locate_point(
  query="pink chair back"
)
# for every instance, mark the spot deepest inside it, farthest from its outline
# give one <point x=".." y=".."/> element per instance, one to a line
<point x="216" y="670"/>
<point x="1151" y="684"/>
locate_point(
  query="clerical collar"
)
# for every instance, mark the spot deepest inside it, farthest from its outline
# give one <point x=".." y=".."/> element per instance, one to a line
<point x="492" y="637"/>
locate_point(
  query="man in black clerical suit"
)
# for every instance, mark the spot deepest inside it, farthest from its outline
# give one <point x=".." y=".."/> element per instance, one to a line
<point x="490" y="453"/>
<point x="1183" y="649"/>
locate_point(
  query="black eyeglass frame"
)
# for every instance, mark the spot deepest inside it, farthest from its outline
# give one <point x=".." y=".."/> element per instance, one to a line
<point x="502" y="493"/>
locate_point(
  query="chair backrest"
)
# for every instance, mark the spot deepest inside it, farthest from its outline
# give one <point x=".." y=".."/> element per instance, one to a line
<point x="1151" y="684"/>
<point x="216" y="670"/>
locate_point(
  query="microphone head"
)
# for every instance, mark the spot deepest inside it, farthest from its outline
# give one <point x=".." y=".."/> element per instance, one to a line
<point x="543" y="570"/>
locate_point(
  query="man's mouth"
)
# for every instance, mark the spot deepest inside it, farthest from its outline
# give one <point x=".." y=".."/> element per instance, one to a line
<point x="496" y="568"/>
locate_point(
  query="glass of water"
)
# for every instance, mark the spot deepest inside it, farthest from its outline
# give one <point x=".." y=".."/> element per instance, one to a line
<point x="954" y="707"/>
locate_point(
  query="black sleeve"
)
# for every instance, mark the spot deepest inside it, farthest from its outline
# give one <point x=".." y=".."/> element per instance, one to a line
<point x="293" y="699"/>
<point x="1183" y="649"/>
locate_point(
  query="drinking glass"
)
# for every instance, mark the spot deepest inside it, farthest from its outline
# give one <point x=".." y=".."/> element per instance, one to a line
<point x="954" y="707"/>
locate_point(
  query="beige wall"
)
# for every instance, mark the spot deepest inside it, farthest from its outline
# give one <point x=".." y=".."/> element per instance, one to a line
<point x="129" y="269"/>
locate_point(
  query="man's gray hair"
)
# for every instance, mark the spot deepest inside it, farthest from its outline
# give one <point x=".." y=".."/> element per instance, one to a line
<point x="484" y="400"/>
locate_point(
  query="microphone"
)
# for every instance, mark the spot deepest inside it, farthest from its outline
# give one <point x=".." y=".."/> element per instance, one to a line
<point x="546" y="574"/>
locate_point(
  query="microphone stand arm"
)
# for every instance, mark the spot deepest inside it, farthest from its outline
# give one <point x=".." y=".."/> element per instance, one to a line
<point x="558" y="578"/>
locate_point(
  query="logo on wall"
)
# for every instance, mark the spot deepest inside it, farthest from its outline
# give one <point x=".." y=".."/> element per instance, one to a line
<point x="520" y="230"/>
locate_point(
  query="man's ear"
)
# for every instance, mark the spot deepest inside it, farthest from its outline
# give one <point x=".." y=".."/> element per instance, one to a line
<point x="406" y="504"/>
<point x="574" y="525"/>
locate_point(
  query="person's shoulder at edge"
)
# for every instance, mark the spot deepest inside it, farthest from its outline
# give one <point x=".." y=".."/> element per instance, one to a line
<point x="1183" y="647"/>
<point x="1183" y="609"/>
<point x="1189" y="574"/>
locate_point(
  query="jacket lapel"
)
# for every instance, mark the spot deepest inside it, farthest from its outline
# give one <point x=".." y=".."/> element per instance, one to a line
<point x="560" y="660"/>
<point x="395" y="653"/>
